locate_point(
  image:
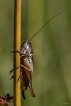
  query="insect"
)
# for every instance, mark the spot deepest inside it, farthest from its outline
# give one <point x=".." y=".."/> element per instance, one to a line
<point x="26" y="63"/>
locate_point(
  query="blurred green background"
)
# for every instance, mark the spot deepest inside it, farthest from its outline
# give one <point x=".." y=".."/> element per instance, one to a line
<point x="52" y="50"/>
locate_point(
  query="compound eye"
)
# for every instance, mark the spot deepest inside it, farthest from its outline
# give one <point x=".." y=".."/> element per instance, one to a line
<point x="24" y="51"/>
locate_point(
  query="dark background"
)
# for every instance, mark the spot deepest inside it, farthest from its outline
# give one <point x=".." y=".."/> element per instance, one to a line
<point x="52" y="50"/>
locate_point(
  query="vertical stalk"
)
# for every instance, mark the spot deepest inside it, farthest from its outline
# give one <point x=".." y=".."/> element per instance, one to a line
<point x="17" y="38"/>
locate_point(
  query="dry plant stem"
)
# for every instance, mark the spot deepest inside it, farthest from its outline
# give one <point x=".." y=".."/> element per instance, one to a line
<point x="17" y="38"/>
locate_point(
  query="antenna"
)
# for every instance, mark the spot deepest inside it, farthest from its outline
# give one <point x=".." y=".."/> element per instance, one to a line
<point x="44" y="26"/>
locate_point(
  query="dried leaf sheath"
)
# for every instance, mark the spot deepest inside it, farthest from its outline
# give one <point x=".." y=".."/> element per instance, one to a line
<point x="6" y="100"/>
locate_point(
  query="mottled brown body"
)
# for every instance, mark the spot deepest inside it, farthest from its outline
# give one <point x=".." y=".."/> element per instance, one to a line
<point x="26" y="73"/>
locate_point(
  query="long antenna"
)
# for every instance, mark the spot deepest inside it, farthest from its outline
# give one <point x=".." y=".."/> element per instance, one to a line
<point x="44" y="26"/>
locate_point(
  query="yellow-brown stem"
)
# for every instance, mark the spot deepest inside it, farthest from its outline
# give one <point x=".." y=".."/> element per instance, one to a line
<point x="17" y="38"/>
